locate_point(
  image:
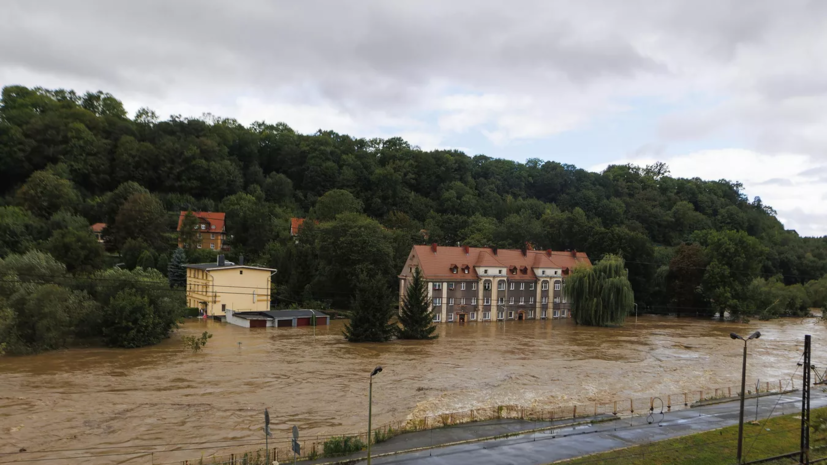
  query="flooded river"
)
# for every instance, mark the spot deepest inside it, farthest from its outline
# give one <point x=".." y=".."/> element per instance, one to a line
<point x="93" y="399"/>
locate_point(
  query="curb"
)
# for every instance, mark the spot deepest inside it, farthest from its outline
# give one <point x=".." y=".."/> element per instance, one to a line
<point x="465" y="441"/>
<point x="733" y="399"/>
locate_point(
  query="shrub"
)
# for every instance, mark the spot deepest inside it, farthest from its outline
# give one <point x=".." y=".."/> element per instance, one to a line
<point x="342" y="445"/>
<point x="196" y="343"/>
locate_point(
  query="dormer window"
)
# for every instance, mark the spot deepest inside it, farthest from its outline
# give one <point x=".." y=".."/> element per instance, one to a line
<point x="203" y="226"/>
<point x="544" y="271"/>
<point x="501" y="272"/>
<point x="212" y="226"/>
<point x="485" y="271"/>
<point x="465" y="270"/>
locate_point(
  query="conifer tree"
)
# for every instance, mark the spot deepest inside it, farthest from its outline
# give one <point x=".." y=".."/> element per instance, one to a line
<point x="176" y="272"/>
<point x="372" y="311"/>
<point x="416" y="315"/>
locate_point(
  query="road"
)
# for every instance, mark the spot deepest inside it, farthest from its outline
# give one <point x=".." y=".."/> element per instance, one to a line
<point x="551" y="446"/>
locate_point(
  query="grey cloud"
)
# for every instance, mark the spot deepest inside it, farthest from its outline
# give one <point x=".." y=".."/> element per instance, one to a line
<point x="775" y="182"/>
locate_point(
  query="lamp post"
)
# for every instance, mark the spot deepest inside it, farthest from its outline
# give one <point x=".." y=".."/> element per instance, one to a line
<point x="754" y="335"/>
<point x="375" y="372"/>
<point x="635" y="313"/>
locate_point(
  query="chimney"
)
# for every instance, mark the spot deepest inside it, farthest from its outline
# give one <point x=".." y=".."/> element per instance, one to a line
<point x="220" y="260"/>
<point x="525" y="252"/>
<point x="574" y="253"/>
<point x="433" y="247"/>
<point x="494" y="249"/>
<point x="548" y="252"/>
<point x="466" y="249"/>
<point x="241" y="259"/>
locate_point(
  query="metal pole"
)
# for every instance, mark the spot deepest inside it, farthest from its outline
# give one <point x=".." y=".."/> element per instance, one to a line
<point x="743" y="394"/>
<point x="635" y="313"/>
<point x="805" y="404"/>
<point x="370" y="412"/>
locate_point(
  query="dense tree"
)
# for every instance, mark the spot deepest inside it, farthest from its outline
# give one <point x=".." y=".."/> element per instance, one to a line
<point x="44" y="193"/>
<point x="132" y="251"/>
<point x="684" y="278"/>
<point x="371" y="312"/>
<point x="142" y="217"/>
<point x="78" y="249"/>
<point x="162" y="264"/>
<point x="19" y="230"/>
<point x="176" y="273"/>
<point x="415" y="315"/>
<point x="334" y="203"/>
<point x="600" y="295"/>
<point x="188" y="233"/>
<point x="146" y="260"/>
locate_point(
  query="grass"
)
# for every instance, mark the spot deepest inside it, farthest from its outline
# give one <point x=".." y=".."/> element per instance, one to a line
<point x="777" y="436"/>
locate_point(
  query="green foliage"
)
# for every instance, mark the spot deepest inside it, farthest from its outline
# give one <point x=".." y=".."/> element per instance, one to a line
<point x="176" y="273"/>
<point x="371" y="312"/>
<point x="600" y="295"/>
<point x="146" y="260"/>
<point x="416" y="315"/>
<point x="335" y="202"/>
<point x="78" y="249"/>
<point x="162" y="264"/>
<point x="132" y="250"/>
<point x="138" y="309"/>
<point x="45" y="193"/>
<point x="770" y="298"/>
<point x="141" y="217"/>
<point x="188" y="233"/>
<point x="19" y="230"/>
<point x="342" y="445"/>
<point x="196" y="343"/>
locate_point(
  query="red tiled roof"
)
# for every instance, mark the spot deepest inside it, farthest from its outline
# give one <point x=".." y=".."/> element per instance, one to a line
<point x="212" y="218"/>
<point x="295" y="224"/>
<point x="438" y="265"/>
<point x="98" y="227"/>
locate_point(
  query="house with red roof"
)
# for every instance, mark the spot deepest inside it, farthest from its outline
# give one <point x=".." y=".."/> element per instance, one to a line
<point x="468" y="284"/>
<point x="211" y="231"/>
<point x="97" y="230"/>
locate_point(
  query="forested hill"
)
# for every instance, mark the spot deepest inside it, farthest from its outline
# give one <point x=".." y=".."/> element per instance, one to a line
<point x="688" y="243"/>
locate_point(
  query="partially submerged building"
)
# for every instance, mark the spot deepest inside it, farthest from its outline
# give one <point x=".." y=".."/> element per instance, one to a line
<point x="277" y="318"/>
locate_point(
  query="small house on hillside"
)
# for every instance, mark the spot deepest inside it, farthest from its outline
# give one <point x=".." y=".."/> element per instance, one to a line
<point x="211" y="230"/>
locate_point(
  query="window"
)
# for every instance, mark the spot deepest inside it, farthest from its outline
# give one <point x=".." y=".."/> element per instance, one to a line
<point x="501" y="272"/>
<point x="530" y="286"/>
<point x="543" y="314"/>
<point x="485" y="272"/>
<point x="254" y="296"/>
<point x="198" y="246"/>
<point x="486" y="315"/>
<point x="510" y="315"/>
<point x="499" y="315"/>
<point x="501" y="286"/>
<point x="437" y="317"/>
<point x="512" y="286"/>
<point x="511" y="300"/>
<point x="487" y="301"/>
<point x="531" y="300"/>
<point x="501" y="300"/>
<point x="450" y="317"/>
<point x="545" y="285"/>
<point x="563" y="313"/>
<point x="450" y="286"/>
<point x="487" y="285"/>
<point x="545" y="300"/>
<point x="199" y="236"/>
<point x="212" y="246"/>
<point x="544" y="271"/>
<point x="473" y="286"/>
<point x="522" y="300"/>
<point x="555" y="272"/>
<point x="473" y="301"/>
<point x="531" y="313"/>
<point x="465" y="270"/>
<point x="462" y="301"/>
<point x="556" y="300"/>
<point x="454" y="270"/>
<point x="212" y="236"/>
<point x="522" y="286"/>
<point x="556" y="314"/>
<point x="557" y="285"/>
<point x="473" y="316"/>
<point x="451" y="301"/>
<point x="514" y="270"/>
<point x="437" y="286"/>
<point x="438" y="302"/>
<point x="212" y="226"/>
<point x="462" y="286"/>
<point x="203" y="226"/>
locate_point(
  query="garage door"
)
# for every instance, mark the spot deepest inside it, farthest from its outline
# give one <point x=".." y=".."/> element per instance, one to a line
<point x="285" y="323"/>
<point x="321" y="320"/>
<point x="258" y="323"/>
<point x="302" y="321"/>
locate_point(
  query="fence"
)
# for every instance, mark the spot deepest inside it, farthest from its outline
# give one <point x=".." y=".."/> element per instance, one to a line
<point x="314" y="447"/>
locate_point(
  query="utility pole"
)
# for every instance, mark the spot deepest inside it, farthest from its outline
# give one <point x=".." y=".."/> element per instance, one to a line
<point x="754" y="335"/>
<point x="805" y="404"/>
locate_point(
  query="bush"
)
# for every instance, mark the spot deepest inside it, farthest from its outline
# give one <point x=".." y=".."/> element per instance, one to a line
<point x="342" y="445"/>
<point x="192" y="312"/>
<point x="196" y="343"/>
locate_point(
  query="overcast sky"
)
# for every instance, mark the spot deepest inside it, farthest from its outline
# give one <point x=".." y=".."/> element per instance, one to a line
<point x="716" y="89"/>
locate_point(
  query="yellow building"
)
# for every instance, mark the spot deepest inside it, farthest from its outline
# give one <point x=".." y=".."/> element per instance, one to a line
<point x="217" y="287"/>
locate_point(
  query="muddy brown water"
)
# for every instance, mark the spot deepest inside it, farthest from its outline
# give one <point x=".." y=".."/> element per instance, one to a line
<point x="93" y="401"/>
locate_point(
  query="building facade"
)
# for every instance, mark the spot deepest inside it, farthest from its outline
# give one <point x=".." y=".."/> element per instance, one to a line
<point x="216" y="287"/>
<point x="211" y="231"/>
<point x="486" y="284"/>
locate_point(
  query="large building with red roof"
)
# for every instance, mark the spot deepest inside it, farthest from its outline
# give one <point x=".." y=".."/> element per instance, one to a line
<point x="485" y="284"/>
<point x="211" y="231"/>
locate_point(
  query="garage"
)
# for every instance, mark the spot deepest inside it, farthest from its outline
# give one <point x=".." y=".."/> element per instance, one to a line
<point x="302" y="321"/>
<point x="284" y="323"/>
<point x="322" y="320"/>
<point x="277" y="318"/>
<point x="258" y="323"/>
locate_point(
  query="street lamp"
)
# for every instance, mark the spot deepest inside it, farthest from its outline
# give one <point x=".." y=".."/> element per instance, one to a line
<point x="754" y="335"/>
<point x="375" y="372"/>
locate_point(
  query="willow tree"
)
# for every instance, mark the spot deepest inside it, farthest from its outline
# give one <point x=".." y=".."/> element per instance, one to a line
<point x="600" y="295"/>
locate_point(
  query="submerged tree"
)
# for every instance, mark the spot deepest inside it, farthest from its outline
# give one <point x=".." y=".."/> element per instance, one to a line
<point x="600" y="295"/>
<point x="370" y="317"/>
<point x="415" y="315"/>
